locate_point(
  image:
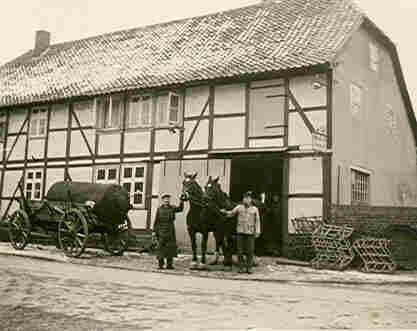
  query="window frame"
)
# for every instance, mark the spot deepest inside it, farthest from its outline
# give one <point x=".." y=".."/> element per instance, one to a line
<point x="132" y="180"/>
<point x="139" y="125"/>
<point x="374" y="56"/>
<point x="106" y="169"/>
<point x="37" y="115"/>
<point x="354" y="171"/>
<point x="100" y="113"/>
<point x="33" y="181"/>
<point x="167" y="110"/>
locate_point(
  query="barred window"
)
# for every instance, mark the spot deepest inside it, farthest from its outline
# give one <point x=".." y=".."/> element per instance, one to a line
<point x="360" y="187"/>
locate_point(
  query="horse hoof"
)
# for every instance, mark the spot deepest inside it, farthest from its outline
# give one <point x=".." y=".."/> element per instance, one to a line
<point x="194" y="265"/>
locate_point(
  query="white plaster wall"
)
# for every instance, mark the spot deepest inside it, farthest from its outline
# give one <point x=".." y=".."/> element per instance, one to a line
<point x="36" y="148"/>
<point x="166" y="141"/>
<point x="18" y="152"/>
<point x="17" y="117"/>
<point x="229" y="99"/>
<point x="59" y="116"/>
<point x="298" y="133"/>
<point x="53" y="175"/>
<point x="137" y="142"/>
<point x="78" y="145"/>
<point x="304" y="92"/>
<point x="57" y="144"/>
<point x="109" y="143"/>
<point x="306" y="175"/>
<point x="200" y="139"/>
<point x="81" y="174"/>
<point x="195" y="99"/>
<point x="229" y="132"/>
<point x="85" y="112"/>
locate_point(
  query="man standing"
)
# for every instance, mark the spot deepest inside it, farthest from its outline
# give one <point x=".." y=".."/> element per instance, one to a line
<point x="164" y="231"/>
<point x="248" y="228"/>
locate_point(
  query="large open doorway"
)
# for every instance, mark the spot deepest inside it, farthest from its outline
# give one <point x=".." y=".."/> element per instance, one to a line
<point x="263" y="175"/>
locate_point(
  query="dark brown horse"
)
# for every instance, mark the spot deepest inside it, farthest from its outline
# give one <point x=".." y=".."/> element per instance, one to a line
<point x="204" y="217"/>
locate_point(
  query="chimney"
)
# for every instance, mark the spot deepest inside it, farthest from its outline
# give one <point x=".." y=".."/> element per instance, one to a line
<point x="42" y="41"/>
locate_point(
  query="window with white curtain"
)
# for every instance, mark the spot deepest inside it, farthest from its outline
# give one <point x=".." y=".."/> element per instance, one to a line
<point x="38" y="119"/>
<point x="108" y="110"/>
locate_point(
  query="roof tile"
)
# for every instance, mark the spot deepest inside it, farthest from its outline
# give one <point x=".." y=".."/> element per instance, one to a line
<point x="265" y="37"/>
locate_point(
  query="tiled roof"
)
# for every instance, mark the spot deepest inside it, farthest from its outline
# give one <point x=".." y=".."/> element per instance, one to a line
<point x="269" y="36"/>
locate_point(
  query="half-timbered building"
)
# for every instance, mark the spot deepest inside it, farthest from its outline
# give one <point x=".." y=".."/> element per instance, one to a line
<point x="303" y="98"/>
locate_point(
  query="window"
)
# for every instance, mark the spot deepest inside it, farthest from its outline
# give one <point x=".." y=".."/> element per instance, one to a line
<point x="133" y="180"/>
<point x="168" y="109"/>
<point x="373" y="57"/>
<point x="2" y="126"/>
<point x="108" y="111"/>
<point x="33" y="185"/>
<point x="107" y="175"/>
<point x="360" y="187"/>
<point x="355" y="99"/>
<point x="139" y="112"/>
<point x="38" y="119"/>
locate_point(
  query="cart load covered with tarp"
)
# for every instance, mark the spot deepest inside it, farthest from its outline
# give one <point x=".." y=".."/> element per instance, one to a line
<point x="111" y="201"/>
<point x="71" y="212"/>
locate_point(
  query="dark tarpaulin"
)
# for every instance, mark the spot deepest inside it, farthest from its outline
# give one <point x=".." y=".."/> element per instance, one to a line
<point x="111" y="200"/>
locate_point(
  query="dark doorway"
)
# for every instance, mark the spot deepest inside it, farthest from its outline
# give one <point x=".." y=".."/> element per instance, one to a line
<point x="263" y="176"/>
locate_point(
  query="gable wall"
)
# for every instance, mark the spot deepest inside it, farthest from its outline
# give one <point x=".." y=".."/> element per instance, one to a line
<point x="374" y="139"/>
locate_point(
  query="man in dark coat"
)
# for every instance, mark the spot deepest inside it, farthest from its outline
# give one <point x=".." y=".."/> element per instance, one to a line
<point x="164" y="230"/>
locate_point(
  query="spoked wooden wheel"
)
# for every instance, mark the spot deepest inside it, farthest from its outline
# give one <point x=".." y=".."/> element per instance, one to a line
<point x="19" y="229"/>
<point x="116" y="242"/>
<point x="73" y="233"/>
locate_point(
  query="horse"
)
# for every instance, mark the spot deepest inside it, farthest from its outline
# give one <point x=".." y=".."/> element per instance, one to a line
<point x="225" y="227"/>
<point x="204" y="216"/>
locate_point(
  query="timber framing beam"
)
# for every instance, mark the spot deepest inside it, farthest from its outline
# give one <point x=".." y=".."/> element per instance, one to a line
<point x="190" y="138"/>
<point x="300" y="111"/>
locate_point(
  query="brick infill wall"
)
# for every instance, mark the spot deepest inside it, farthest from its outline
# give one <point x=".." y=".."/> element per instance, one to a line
<point x="371" y="220"/>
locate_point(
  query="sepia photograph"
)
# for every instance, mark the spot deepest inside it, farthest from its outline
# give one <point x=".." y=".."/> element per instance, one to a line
<point x="235" y="165"/>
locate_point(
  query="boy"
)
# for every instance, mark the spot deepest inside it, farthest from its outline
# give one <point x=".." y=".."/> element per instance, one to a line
<point x="248" y="228"/>
<point x="164" y="231"/>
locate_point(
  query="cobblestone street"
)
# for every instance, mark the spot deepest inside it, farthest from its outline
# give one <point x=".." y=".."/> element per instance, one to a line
<point x="42" y="295"/>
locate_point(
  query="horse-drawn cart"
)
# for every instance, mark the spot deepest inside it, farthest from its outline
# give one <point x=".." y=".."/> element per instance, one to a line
<point x="70" y="213"/>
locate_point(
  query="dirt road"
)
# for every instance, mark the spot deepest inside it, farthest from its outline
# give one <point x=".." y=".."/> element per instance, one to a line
<point x="50" y="296"/>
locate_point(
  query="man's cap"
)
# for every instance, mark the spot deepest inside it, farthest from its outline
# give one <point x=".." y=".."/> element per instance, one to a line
<point x="248" y="194"/>
<point x="165" y="195"/>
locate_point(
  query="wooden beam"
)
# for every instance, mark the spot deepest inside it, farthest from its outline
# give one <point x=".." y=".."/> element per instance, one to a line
<point x="247" y="109"/>
<point x="286" y="111"/>
<point x="190" y="138"/>
<point x="45" y="151"/>
<point x="211" y="119"/>
<point x="329" y="101"/>
<point x="68" y="143"/>
<point x="300" y="111"/>
<point x="77" y="121"/>
<point x="18" y="135"/>
<point x="4" y="162"/>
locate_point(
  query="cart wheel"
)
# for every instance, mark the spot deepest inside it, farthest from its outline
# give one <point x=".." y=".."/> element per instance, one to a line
<point x="73" y="233"/>
<point x="117" y="242"/>
<point x="19" y="229"/>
